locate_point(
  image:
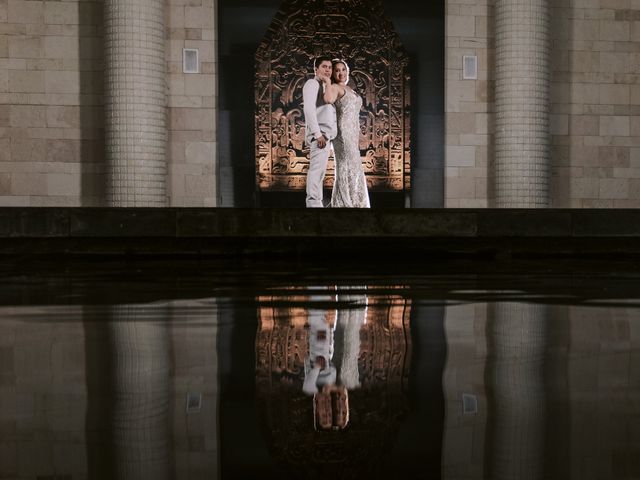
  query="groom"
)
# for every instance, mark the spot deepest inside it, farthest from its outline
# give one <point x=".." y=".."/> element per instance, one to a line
<point x="321" y="128"/>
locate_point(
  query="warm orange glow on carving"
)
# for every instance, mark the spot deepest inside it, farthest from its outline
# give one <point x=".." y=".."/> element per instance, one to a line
<point x="360" y="33"/>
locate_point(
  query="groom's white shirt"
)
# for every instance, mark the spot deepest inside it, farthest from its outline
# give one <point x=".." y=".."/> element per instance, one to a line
<point x="319" y="117"/>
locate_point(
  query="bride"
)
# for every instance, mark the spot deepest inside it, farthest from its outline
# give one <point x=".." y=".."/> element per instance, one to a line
<point x="350" y="185"/>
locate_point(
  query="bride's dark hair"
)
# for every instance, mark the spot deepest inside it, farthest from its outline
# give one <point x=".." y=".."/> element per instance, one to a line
<point x="336" y="61"/>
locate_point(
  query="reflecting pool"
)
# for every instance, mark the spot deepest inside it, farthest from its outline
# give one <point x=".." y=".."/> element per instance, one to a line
<point x="202" y="372"/>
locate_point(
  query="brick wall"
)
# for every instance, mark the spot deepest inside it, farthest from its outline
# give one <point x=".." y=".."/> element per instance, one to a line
<point x="595" y="122"/>
<point x="51" y="115"/>
<point x="595" y="104"/>
<point x="468" y="103"/>
<point x="51" y="103"/>
<point x="192" y="104"/>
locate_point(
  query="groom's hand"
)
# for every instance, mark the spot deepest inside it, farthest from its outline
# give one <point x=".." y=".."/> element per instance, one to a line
<point x="322" y="141"/>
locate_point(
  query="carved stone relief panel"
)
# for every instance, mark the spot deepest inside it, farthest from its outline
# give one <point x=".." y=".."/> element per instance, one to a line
<point x="359" y="32"/>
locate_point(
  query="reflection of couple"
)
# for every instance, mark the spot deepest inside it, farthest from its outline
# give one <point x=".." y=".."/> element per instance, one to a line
<point x="328" y="383"/>
<point x="332" y="116"/>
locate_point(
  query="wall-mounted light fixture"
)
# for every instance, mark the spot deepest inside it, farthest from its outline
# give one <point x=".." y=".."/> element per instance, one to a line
<point x="469" y="67"/>
<point x="190" y="63"/>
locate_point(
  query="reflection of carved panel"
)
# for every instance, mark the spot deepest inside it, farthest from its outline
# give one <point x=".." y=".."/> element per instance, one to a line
<point x="359" y="32"/>
<point x="375" y="408"/>
<point x="286" y="355"/>
<point x="385" y="350"/>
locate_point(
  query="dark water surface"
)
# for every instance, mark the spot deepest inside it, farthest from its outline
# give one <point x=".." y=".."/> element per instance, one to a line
<point x="196" y="370"/>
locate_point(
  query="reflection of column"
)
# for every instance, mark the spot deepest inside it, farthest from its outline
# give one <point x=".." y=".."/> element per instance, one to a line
<point x="516" y="335"/>
<point x="141" y="387"/>
<point x="135" y="103"/>
<point x="522" y="103"/>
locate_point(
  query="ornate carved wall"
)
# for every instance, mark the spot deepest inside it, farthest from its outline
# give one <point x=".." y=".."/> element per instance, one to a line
<point x="359" y="32"/>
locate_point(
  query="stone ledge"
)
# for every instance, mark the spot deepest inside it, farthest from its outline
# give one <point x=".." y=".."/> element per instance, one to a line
<point x="393" y="232"/>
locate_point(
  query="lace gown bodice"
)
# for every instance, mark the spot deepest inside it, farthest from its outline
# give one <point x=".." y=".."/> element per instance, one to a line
<point x="350" y="185"/>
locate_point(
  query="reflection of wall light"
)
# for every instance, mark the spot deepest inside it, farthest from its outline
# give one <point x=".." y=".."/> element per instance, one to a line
<point x="194" y="402"/>
<point x="190" y="63"/>
<point x="469" y="404"/>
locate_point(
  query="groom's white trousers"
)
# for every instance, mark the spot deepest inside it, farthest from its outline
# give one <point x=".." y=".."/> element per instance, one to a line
<point x="318" y="158"/>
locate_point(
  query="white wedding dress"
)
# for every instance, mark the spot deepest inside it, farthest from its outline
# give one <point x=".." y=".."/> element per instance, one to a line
<point x="350" y="185"/>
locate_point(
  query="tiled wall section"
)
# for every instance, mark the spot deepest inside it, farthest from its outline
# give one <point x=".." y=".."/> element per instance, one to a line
<point x="595" y="122"/>
<point x="192" y="104"/>
<point x="595" y="111"/>
<point x="468" y="103"/>
<point x="51" y="115"/>
<point x="51" y="103"/>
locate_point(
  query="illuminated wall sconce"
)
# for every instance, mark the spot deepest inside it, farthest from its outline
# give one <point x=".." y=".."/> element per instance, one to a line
<point x="469" y="67"/>
<point x="190" y="63"/>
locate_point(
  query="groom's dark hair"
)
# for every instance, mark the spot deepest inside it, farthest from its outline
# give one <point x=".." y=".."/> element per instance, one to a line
<point x="320" y="59"/>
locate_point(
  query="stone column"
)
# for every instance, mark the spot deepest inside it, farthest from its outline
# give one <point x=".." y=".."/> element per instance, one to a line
<point x="522" y="144"/>
<point x="135" y="103"/>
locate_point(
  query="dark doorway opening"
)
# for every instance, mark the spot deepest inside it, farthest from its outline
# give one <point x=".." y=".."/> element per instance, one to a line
<point x="243" y="24"/>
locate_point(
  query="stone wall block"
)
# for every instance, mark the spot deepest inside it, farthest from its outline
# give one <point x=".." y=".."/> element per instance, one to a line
<point x="25" y="46"/>
<point x="25" y="11"/>
<point x="611" y="125"/>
